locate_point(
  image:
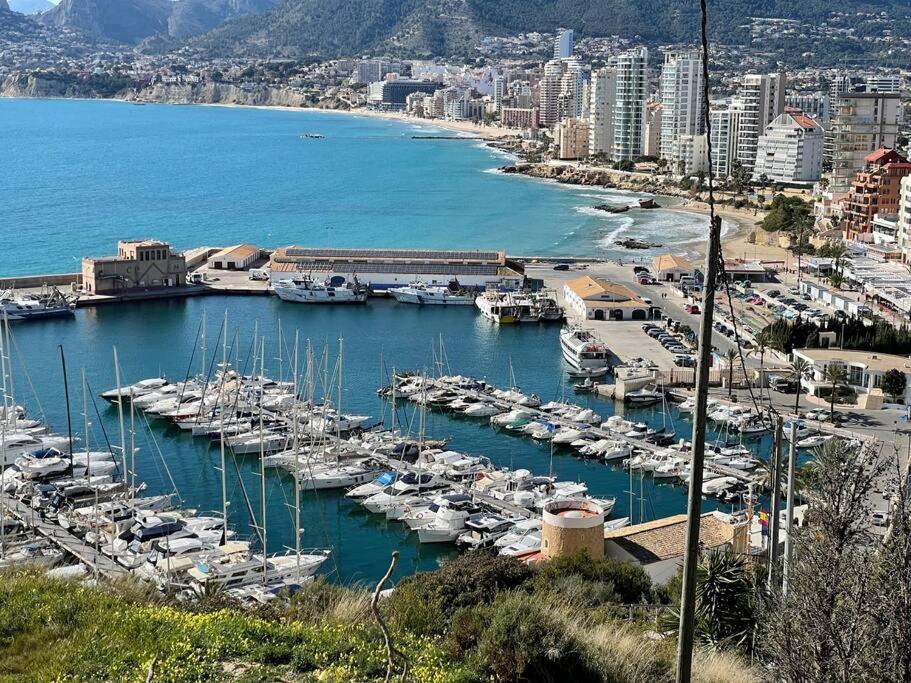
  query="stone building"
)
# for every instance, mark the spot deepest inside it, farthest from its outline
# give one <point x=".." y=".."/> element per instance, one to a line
<point x="139" y="264"/>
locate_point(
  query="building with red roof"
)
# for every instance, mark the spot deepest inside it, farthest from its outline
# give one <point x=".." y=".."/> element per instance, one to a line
<point x="875" y="190"/>
<point x="791" y="149"/>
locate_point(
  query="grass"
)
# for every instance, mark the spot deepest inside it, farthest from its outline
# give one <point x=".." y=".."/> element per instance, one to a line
<point x="476" y="619"/>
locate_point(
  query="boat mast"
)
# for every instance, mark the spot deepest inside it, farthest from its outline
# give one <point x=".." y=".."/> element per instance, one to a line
<point x="123" y="442"/>
<point x="202" y="348"/>
<point x="12" y="389"/>
<point x="262" y="455"/>
<point x="297" y="463"/>
<point x="85" y="413"/>
<point x="394" y="409"/>
<point x="280" y="367"/>
<point x="3" y="450"/>
<point x="131" y="484"/>
<point x="221" y="429"/>
<point x="338" y="408"/>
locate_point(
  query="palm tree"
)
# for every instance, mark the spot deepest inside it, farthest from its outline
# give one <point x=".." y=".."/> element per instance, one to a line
<point x="800" y="370"/>
<point x="835" y="375"/>
<point x="730" y="356"/>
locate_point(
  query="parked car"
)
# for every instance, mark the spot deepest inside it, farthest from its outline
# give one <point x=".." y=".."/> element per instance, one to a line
<point x="655" y="332"/>
<point x="774" y="293"/>
<point x="692" y="308"/>
<point x="640" y="269"/>
<point x="561" y="266"/>
<point x="794" y="290"/>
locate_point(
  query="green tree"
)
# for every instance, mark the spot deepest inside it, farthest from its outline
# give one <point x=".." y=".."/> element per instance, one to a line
<point x="740" y="178"/>
<point x="894" y="383"/>
<point x="835" y="375"/>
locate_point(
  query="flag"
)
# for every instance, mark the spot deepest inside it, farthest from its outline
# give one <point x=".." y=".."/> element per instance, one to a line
<point x="764" y="522"/>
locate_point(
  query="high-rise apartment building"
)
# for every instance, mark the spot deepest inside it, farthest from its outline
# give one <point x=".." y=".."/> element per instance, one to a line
<point x="904" y="219"/>
<point x="601" y="112"/>
<point x="369" y="71"/>
<point x="861" y="124"/>
<point x="815" y="105"/>
<point x="631" y="93"/>
<point x="572" y="88"/>
<point x="499" y="92"/>
<point x="549" y="92"/>
<point x="875" y="190"/>
<point x="651" y="141"/>
<point x="725" y="134"/>
<point x="563" y="43"/>
<point x="681" y="102"/>
<point x="790" y="150"/>
<point x="762" y="96"/>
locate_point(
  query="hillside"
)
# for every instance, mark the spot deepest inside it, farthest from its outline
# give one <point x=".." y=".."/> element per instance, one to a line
<point x="443" y="27"/>
<point x="30" y="6"/>
<point x="131" y="21"/>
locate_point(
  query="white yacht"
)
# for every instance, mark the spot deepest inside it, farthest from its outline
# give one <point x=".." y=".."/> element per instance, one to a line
<point x="582" y="350"/>
<point x="232" y="566"/>
<point x="447" y="525"/>
<point x="141" y="388"/>
<point x="337" y="477"/>
<point x="423" y="294"/>
<point x="303" y="289"/>
<point x="498" y="308"/>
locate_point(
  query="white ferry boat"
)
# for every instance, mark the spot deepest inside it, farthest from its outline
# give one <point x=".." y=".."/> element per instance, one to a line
<point x="303" y="289"/>
<point x="419" y="293"/>
<point x="582" y="350"/>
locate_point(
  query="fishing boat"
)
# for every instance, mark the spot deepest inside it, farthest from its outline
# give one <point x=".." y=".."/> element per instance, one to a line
<point x="50" y="304"/>
<point x="423" y="294"/>
<point x="584" y="352"/>
<point x="497" y="307"/>
<point x="303" y="289"/>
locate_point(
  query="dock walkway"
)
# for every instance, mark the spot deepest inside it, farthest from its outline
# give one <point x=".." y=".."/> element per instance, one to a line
<point x="76" y="547"/>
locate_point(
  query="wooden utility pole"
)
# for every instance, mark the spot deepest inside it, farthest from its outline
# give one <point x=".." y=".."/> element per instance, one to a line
<point x="697" y="458"/>
<point x="774" y="501"/>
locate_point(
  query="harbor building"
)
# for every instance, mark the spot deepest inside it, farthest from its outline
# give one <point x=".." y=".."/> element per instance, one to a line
<point x="864" y="371"/>
<point x="385" y="268"/>
<point x="659" y="546"/>
<point x="762" y="99"/>
<point x="861" y="123"/>
<point x="671" y="268"/>
<point x="139" y="264"/>
<point x="876" y="189"/>
<point x="681" y="102"/>
<point x="598" y="299"/>
<point x="630" y="104"/>
<point x="238" y="257"/>
<point x="790" y="150"/>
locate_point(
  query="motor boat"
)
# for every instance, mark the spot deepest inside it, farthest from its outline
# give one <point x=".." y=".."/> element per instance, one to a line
<point x="584" y="352"/>
<point x="446" y="526"/>
<point x="334" y="290"/>
<point x="423" y="294"/>
<point x="645" y="396"/>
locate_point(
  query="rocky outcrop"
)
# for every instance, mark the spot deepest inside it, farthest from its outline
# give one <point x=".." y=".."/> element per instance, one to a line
<point x="572" y="175"/>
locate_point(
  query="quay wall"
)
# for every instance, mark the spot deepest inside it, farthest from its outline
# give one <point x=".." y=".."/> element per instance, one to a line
<point x="27" y="281"/>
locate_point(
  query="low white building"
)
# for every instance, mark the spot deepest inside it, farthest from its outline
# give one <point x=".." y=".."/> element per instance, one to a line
<point x="693" y="154"/>
<point x="238" y="257"/>
<point x="864" y="370"/>
<point x="790" y="150"/>
<point x="671" y="268"/>
<point x="597" y="299"/>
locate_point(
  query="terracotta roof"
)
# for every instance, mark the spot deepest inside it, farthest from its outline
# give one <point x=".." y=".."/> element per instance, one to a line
<point x="882" y="154"/>
<point x="240" y="251"/>
<point x="804" y="121"/>
<point x="664" y="539"/>
<point x="667" y="261"/>
<point x="587" y="287"/>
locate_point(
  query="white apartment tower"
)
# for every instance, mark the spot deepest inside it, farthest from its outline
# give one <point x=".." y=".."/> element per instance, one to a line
<point x="601" y="112"/>
<point x="563" y="43"/>
<point x="549" y="92"/>
<point x="790" y="150"/>
<point x="631" y="93"/>
<point x="681" y="102"/>
<point x="725" y="132"/>
<point x="571" y="88"/>
<point x="762" y="96"/>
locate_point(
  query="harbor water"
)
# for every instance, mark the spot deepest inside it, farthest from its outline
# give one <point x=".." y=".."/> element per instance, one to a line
<point x="159" y="337"/>
<point x="80" y="175"/>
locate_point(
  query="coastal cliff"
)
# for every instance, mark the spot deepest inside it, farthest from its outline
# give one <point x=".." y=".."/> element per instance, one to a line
<point x="53" y="85"/>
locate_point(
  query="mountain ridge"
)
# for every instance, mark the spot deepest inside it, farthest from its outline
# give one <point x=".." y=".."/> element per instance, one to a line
<point x="132" y="21"/>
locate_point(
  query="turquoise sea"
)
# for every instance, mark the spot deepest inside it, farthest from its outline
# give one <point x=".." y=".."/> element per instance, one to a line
<point x="86" y="173"/>
<point x="79" y="175"/>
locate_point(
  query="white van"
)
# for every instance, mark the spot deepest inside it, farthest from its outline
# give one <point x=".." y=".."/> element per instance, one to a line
<point x="259" y="274"/>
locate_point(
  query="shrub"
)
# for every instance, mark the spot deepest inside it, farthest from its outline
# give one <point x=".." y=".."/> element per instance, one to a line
<point x="629" y="583"/>
<point x="524" y="642"/>
<point x="425" y="602"/>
